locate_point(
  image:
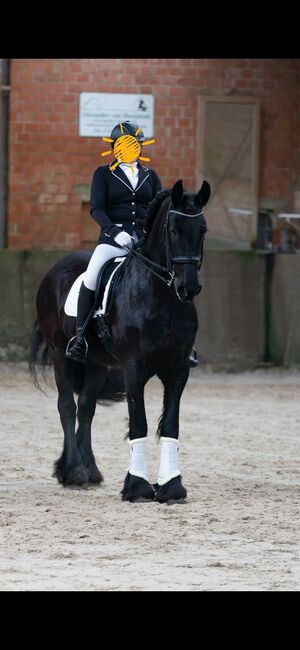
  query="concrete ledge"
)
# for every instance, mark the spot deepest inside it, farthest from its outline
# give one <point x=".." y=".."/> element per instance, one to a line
<point x="231" y="307"/>
<point x="20" y="275"/>
<point x="285" y="310"/>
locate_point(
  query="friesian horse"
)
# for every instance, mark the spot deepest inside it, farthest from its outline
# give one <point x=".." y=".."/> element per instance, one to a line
<point x="153" y="324"/>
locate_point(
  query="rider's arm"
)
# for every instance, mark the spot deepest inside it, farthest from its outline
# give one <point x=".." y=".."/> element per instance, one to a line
<point x="98" y="204"/>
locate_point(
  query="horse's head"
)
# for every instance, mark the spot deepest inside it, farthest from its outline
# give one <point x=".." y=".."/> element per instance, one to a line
<point x="185" y="229"/>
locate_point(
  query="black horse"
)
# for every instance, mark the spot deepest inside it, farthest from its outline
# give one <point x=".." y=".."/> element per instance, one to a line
<point x="153" y="325"/>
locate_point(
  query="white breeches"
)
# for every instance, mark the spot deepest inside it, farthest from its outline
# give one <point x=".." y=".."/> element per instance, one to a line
<point x="101" y="254"/>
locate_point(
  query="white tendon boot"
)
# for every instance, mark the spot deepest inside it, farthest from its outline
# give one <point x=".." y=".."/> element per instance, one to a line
<point x="138" y="458"/>
<point x="168" y="460"/>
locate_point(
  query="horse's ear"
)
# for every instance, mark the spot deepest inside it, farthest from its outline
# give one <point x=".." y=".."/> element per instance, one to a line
<point x="177" y="193"/>
<point x="203" y="194"/>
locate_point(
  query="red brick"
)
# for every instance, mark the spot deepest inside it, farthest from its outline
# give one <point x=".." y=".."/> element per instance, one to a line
<point x="48" y="157"/>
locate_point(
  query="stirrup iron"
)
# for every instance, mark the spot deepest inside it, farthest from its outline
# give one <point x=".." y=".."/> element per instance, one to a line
<point x="70" y="346"/>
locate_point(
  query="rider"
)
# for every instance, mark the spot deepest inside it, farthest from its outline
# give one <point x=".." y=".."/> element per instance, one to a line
<point x="119" y="200"/>
<point x="120" y="194"/>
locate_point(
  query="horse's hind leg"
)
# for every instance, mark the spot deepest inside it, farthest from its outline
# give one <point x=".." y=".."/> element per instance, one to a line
<point x="169" y="487"/>
<point x="136" y="486"/>
<point x="93" y="383"/>
<point x="69" y="468"/>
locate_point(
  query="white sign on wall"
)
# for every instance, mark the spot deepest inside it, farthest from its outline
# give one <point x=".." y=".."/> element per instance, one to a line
<point x="100" y="112"/>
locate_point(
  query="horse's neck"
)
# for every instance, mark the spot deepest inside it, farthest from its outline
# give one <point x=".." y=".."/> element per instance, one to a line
<point x="153" y="248"/>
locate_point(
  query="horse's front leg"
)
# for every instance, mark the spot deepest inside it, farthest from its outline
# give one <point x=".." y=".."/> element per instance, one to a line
<point x="169" y="487"/>
<point x="136" y="486"/>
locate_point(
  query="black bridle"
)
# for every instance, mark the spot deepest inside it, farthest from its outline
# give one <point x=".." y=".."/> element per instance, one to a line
<point x="179" y="259"/>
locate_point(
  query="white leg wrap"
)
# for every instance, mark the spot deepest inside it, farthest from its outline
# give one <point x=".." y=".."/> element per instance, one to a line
<point x="138" y="458"/>
<point x="168" y="460"/>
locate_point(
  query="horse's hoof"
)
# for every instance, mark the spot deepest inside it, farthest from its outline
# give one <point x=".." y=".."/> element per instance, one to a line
<point x="77" y="476"/>
<point x="170" y="493"/>
<point x="137" y="490"/>
<point x="94" y="475"/>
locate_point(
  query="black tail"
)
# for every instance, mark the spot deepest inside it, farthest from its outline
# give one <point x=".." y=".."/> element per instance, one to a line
<point x="113" y="389"/>
<point x="39" y="353"/>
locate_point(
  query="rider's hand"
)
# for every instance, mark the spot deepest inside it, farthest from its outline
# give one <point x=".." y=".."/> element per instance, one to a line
<point x="123" y="239"/>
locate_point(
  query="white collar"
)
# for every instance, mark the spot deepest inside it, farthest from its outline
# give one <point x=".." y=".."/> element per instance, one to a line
<point x="128" y="165"/>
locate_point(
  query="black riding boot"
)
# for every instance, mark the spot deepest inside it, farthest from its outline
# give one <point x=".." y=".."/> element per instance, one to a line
<point x="77" y="347"/>
<point x="193" y="359"/>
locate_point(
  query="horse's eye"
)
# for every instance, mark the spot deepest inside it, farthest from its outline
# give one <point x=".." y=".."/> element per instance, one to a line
<point x="173" y="231"/>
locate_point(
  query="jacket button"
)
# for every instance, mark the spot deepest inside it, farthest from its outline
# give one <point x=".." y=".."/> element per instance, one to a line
<point x="133" y="223"/>
<point x="132" y="203"/>
<point x="133" y="212"/>
<point x="133" y="193"/>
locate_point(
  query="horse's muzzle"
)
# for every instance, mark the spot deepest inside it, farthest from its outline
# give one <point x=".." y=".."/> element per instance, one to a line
<point x="186" y="295"/>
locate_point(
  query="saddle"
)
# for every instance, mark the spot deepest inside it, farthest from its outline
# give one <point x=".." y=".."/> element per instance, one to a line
<point x="108" y="284"/>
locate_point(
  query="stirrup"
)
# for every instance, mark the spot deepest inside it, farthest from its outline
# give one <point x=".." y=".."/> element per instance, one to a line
<point x="193" y="359"/>
<point x="76" y="355"/>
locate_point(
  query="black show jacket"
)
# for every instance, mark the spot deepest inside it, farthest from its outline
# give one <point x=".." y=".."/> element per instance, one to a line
<point x="114" y="201"/>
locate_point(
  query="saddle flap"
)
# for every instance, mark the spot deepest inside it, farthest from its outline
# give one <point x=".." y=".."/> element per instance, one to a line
<point x="104" y="284"/>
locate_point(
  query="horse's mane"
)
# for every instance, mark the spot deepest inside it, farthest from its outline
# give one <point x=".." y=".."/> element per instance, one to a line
<point x="153" y="208"/>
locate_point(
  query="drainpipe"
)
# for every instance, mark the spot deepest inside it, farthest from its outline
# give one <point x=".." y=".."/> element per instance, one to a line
<point x="4" y="125"/>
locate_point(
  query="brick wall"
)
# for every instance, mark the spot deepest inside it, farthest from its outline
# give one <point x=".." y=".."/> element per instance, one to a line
<point x="48" y="158"/>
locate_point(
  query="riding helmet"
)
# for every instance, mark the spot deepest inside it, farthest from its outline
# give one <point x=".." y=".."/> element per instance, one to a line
<point x="129" y="128"/>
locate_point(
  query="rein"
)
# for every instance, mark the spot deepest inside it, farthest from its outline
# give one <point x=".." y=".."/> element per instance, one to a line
<point x="145" y="262"/>
<point x="181" y="259"/>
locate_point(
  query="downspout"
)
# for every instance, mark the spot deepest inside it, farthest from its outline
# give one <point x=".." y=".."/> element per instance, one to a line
<point x="4" y="125"/>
